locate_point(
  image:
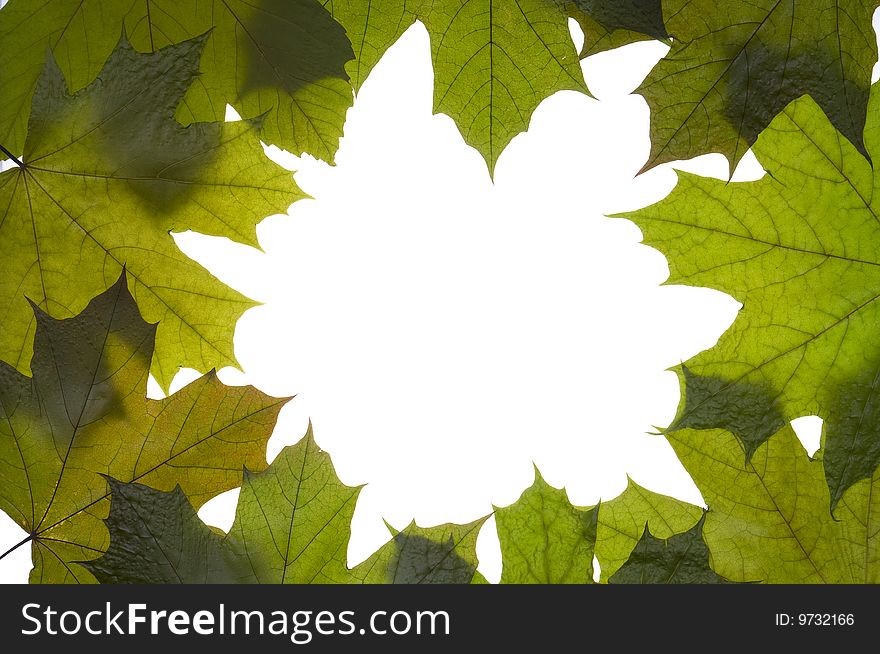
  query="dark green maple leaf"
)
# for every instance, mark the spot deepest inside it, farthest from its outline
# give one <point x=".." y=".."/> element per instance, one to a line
<point x="624" y="519"/>
<point x="445" y="554"/>
<point x="107" y="173"/>
<point x="292" y="525"/>
<point x="610" y="24"/>
<point x="546" y="540"/>
<point x="282" y="58"/>
<point x="734" y="65"/>
<point x="799" y="249"/>
<point x="751" y="411"/>
<point x="679" y="559"/>
<point x="188" y="552"/>
<point x="84" y="414"/>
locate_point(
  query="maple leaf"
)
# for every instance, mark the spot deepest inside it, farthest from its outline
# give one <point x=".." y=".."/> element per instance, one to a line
<point x="445" y="554"/>
<point x="282" y="58"/>
<point x="292" y="525"/>
<point x="84" y="414"/>
<point x="679" y="559"/>
<point x="734" y="66"/>
<point x="494" y="60"/>
<point x="799" y="249"/>
<point x="107" y="173"/>
<point x="624" y="520"/>
<point x="769" y="518"/>
<point x="544" y="539"/>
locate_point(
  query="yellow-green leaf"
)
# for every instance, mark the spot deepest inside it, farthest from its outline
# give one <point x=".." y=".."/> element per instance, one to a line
<point x="800" y="248"/>
<point x="107" y="174"/>
<point x="544" y="539"/>
<point x="84" y="414"/>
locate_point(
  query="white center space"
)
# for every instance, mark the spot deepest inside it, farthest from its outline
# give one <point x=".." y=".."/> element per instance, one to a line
<point x="444" y="333"/>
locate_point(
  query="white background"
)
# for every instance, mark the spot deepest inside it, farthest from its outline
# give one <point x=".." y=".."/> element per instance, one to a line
<point x="444" y="333"/>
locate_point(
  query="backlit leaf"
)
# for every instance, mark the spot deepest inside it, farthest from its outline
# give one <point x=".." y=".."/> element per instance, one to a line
<point x="282" y="58"/>
<point x="107" y="174"/>
<point x="546" y="540"/>
<point x="799" y="248"/>
<point x="84" y="414"/>
<point x="734" y="65"/>
<point x="292" y="525"/>
<point x="679" y="559"/>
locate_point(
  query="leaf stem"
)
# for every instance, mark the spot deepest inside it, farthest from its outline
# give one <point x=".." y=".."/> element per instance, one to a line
<point x="20" y="165"/>
<point x="16" y="546"/>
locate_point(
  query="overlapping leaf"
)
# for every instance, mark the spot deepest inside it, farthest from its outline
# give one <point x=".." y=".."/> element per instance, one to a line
<point x="799" y="248"/>
<point x="282" y="58"/>
<point x="769" y="517"/>
<point x="292" y="525"/>
<point x="107" y="173"/>
<point x="624" y="520"/>
<point x="610" y="24"/>
<point x="679" y="559"/>
<point x="495" y="60"/>
<point x="768" y="521"/>
<point x="445" y="554"/>
<point x="734" y="65"/>
<point x="637" y="537"/>
<point x="84" y="414"/>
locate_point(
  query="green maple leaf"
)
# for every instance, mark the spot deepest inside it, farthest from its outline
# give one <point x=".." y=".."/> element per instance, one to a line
<point x="546" y="540"/>
<point x="734" y="66"/>
<point x="84" y="414"/>
<point x="283" y="58"/>
<point x="623" y="521"/>
<point x="107" y="173"/>
<point x="445" y="554"/>
<point x="610" y="24"/>
<point x="292" y="525"/>
<point x="494" y="60"/>
<point x="679" y="559"/>
<point x="769" y="517"/>
<point x="293" y="519"/>
<point x="799" y="249"/>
